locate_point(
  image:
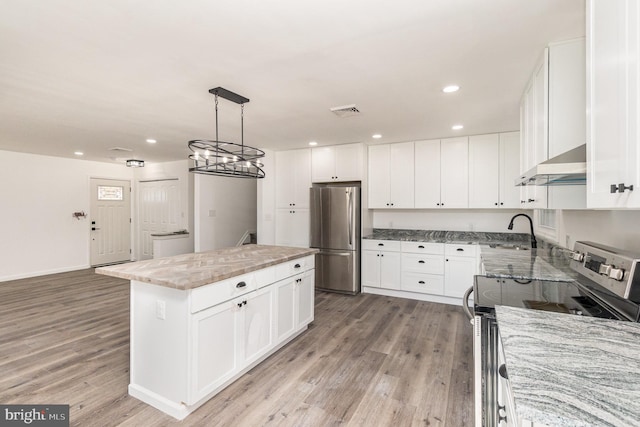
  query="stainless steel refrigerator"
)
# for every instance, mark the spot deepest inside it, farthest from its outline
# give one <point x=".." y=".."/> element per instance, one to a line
<point x="335" y="230"/>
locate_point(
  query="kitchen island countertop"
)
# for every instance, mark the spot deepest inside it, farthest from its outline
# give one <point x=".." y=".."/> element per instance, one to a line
<point x="567" y="370"/>
<point x="193" y="270"/>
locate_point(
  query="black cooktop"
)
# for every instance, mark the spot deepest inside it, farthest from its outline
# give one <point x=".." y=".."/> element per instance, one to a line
<point x="559" y="297"/>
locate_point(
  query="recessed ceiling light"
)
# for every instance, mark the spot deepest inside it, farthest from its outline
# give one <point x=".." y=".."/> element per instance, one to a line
<point x="313" y="143"/>
<point x="450" y="88"/>
<point x="457" y="127"/>
<point x="376" y="136"/>
<point x="151" y="141"/>
<point x="78" y="153"/>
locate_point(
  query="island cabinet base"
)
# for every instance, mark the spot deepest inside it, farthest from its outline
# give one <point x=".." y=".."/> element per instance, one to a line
<point x="188" y="345"/>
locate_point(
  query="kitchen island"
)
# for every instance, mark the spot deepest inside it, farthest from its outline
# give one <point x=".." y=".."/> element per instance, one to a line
<point x="200" y="321"/>
<point x="568" y="370"/>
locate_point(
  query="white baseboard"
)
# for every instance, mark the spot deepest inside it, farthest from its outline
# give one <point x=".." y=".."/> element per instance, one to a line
<point x="413" y="295"/>
<point x="43" y="272"/>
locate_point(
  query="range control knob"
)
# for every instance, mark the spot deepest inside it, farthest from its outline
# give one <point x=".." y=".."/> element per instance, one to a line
<point x="577" y="256"/>
<point x="616" y="273"/>
<point x="604" y="269"/>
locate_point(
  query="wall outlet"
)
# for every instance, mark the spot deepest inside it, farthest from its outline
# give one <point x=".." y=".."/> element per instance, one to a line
<point x="567" y="242"/>
<point x="161" y="309"/>
<point x="212" y="213"/>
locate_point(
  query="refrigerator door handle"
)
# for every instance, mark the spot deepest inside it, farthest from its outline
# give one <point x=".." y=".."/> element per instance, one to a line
<point x="335" y="253"/>
<point x="350" y="204"/>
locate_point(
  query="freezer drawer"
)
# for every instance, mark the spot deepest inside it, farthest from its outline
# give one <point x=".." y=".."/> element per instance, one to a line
<point x="338" y="271"/>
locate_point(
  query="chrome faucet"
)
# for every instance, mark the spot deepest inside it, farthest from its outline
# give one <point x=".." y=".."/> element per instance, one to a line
<point x="534" y="243"/>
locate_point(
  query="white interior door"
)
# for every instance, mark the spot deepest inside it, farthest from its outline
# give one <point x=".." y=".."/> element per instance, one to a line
<point x="110" y="221"/>
<point x="159" y="203"/>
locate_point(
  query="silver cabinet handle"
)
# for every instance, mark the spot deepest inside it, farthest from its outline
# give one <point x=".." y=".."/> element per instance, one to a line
<point x="350" y="203"/>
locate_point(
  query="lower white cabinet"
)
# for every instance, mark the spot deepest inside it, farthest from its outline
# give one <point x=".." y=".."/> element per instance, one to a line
<point x="381" y="264"/>
<point x="436" y="271"/>
<point x="187" y="345"/>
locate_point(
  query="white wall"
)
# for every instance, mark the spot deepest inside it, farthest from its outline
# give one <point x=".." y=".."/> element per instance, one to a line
<point x="38" y="194"/>
<point x="224" y="209"/>
<point x="452" y="220"/>
<point x="620" y="229"/>
<point x="169" y="170"/>
<point x="266" y="195"/>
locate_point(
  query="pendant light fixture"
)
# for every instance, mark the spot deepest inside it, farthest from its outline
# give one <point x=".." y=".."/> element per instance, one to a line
<point x="215" y="157"/>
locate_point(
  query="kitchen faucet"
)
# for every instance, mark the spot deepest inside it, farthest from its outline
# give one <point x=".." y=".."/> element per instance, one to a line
<point x="534" y="243"/>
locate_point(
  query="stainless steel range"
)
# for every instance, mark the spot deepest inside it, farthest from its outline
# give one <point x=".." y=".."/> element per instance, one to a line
<point x="607" y="286"/>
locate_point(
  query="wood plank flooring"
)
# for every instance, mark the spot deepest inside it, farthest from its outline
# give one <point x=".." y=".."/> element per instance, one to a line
<point x="365" y="361"/>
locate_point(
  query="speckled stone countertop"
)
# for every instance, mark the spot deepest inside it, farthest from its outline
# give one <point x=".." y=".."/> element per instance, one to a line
<point x="202" y="268"/>
<point x="567" y="370"/>
<point x="442" y="236"/>
<point x="545" y="263"/>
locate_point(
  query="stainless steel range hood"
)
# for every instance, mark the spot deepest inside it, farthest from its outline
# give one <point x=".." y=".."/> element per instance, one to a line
<point x="568" y="168"/>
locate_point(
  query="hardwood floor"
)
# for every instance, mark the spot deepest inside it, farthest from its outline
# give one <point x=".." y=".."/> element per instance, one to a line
<point x="365" y="361"/>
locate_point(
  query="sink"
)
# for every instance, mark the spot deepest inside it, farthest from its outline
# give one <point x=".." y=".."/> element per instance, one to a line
<point x="510" y="246"/>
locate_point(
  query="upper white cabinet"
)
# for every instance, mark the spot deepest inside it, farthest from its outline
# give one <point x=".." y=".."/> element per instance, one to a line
<point x="293" y="178"/>
<point x="391" y="180"/>
<point x="493" y="166"/>
<point x="442" y="173"/>
<point x="336" y="163"/>
<point x="613" y="158"/>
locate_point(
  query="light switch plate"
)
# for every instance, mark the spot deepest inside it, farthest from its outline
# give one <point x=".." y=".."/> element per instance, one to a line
<point x="161" y="309"/>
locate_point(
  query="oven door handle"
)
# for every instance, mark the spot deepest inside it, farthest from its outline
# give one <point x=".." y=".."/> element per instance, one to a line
<point x="465" y="304"/>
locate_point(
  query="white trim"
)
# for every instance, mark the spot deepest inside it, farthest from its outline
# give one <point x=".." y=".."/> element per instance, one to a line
<point x="413" y="295"/>
<point x="44" y="272"/>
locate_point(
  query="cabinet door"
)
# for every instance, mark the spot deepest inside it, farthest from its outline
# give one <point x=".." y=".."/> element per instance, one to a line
<point x="301" y="178"/>
<point x="258" y="314"/>
<point x="612" y="103"/>
<point x="323" y="164"/>
<point x="401" y="187"/>
<point x="390" y="270"/>
<point x="427" y="174"/>
<point x="348" y="162"/>
<point x="216" y="355"/>
<point x="305" y="293"/>
<point x="285" y="308"/>
<point x="484" y="171"/>
<point x="371" y="268"/>
<point x="379" y="179"/>
<point x="458" y="275"/>
<point x="292" y="227"/>
<point x="285" y="184"/>
<point x="454" y="175"/>
<point x="509" y="170"/>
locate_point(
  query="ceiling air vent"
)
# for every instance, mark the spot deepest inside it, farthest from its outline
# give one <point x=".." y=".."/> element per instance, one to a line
<point x="345" y="111"/>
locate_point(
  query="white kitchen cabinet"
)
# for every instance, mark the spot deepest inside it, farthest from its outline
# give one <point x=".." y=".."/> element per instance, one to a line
<point x="293" y="178"/>
<point x="295" y="299"/>
<point x="613" y="157"/>
<point x="422" y="267"/>
<point x="442" y="173"/>
<point x="391" y="176"/>
<point x="381" y="264"/>
<point x="427" y="174"/>
<point x="336" y="163"/>
<point x="460" y="265"/>
<point x="292" y="227"/>
<point x="493" y="167"/>
<point x="304" y="299"/>
<point x="257" y="324"/>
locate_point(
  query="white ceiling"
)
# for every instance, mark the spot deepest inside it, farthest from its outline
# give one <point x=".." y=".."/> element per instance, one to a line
<point x="90" y="75"/>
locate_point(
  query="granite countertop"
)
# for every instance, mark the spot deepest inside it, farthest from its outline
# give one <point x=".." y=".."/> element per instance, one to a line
<point x="567" y="370"/>
<point x="442" y="236"/>
<point x="192" y="270"/>
<point x="533" y="264"/>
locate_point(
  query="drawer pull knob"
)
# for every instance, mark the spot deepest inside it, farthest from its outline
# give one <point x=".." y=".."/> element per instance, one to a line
<point x="241" y="285"/>
<point x="421" y="282"/>
<point x="421" y="262"/>
<point x="296" y="266"/>
<point x="460" y="250"/>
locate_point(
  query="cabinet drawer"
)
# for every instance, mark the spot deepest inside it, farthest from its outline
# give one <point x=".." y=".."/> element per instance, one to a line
<point x="461" y="250"/>
<point x="423" y="283"/>
<point x="383" y="245"/>
<point x="295" y="266"/>
<point x="419" y="263"/>
<point x="423" y="247"/>
<point x="219" y="292"/>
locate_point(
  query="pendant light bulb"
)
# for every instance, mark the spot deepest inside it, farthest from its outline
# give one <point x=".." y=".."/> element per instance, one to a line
<point x="206" y="154"/>
<point x="225" y="160"/>
<point x="248" y="164"/>
<point x="235" y="158"/>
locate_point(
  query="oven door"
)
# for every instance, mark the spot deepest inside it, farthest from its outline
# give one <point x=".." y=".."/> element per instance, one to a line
<point x="485" y="359"/>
